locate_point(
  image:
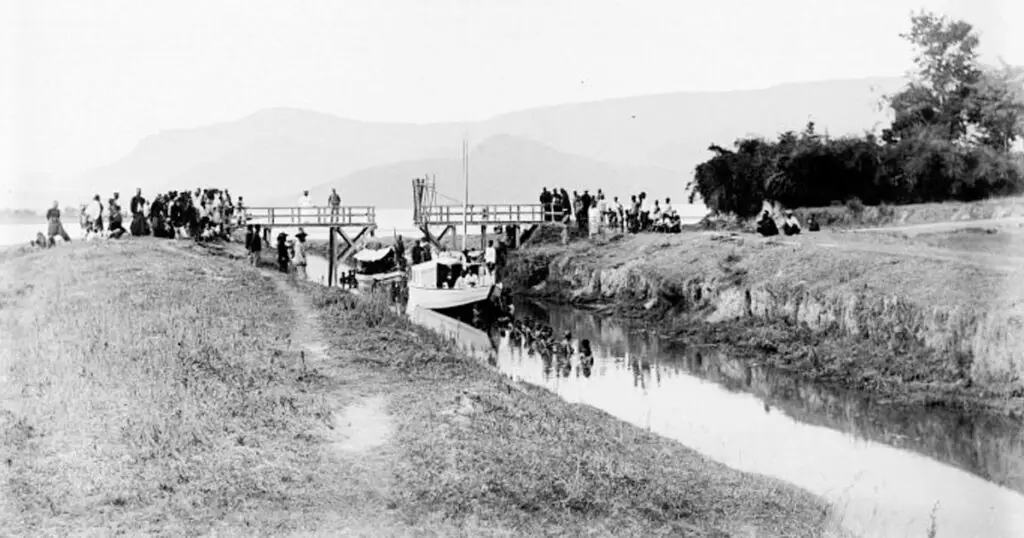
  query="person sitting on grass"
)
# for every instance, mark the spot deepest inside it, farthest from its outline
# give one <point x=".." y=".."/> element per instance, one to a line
<point x="766" y="225"/>
<point x="812" y="224"/>
<point x="54" y="226"/>
<point x="790" y="226"/>
<point x="116" y="220"/>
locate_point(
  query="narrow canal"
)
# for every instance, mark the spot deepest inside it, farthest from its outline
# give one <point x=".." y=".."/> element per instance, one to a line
<point x="886" y="470"/>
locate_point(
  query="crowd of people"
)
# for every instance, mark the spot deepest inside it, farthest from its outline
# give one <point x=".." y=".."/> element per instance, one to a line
<point x="593" y="213"/>
<point x="202" y="215"/>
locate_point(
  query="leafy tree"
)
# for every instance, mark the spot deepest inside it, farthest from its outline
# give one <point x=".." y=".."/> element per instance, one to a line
<point x="947" y="72"/>
<point x="953" y="128"/>
<point x="997" y="107"/>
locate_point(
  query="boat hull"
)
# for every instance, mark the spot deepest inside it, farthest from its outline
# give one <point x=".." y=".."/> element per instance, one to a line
<point x="468" y="337"/>
<point x="437" y="299"/>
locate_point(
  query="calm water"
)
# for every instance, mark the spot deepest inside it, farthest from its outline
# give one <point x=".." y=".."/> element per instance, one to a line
<point x="884" y="469"/>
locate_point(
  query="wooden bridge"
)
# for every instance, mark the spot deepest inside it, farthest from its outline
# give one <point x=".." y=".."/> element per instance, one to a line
<point x="427" y="213"/>
<point x="358" y="219"/>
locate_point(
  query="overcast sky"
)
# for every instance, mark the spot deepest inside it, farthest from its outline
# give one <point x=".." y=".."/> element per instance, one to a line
<point x="84" y="80"/>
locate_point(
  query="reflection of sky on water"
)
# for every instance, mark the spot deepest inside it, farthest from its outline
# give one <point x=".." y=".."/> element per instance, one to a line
<point x="879" y="489"/>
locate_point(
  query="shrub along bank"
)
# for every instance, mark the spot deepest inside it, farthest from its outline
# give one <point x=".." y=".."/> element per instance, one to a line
<point x="908" y="323"/>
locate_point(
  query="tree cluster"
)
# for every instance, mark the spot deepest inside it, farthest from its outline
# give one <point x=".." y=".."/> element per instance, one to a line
<point x="951" y="138"/>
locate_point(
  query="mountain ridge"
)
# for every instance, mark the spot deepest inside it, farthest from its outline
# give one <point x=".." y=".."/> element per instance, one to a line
<point x="670" y="131"/>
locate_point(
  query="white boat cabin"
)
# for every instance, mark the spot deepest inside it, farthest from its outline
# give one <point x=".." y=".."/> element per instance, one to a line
<point x="449" y="271"/>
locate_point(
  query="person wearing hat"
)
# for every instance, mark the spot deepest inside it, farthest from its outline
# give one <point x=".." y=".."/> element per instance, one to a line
<point x="299" y="254"/>
<point x="282" y="252"/>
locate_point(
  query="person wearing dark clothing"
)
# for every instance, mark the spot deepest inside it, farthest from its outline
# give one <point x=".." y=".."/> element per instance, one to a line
<point x="139" y="226"/>
<point x="256" y="247"/>
<point x="54" y="225"/>
<point x="766" y="225"/>
<point x="158" y="217"/>
<point x="502" y="256"/>
<point x="400" y="252"/>
<point x="566" y="206"/>
<point x="545" y="204"/>
<point x="248" y="240"/>
<point x="812" y="224"/>
<point x="138" y="202"/>
<point x="116" y="220"/>
<point x="282" y="252"/>
<point x="417" y="253"/>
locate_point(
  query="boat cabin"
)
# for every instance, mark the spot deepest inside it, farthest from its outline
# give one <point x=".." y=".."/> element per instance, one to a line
<point x="448" y="273"/>
<point x="375" y="261"/>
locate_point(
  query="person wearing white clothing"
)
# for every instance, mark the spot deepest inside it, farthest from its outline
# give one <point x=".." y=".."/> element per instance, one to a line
<point x="491" y="256"/>
<point x="304" y="202"/>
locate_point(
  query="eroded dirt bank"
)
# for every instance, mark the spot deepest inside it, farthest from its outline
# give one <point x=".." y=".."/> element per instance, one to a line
<point x="912" y="319"/>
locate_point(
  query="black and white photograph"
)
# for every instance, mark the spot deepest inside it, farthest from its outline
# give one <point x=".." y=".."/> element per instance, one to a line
<point x="502" y="268"/>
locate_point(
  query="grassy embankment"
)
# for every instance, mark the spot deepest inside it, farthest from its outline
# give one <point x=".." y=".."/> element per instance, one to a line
<point x="934" y="318"/>
<point x="148" y="388"/>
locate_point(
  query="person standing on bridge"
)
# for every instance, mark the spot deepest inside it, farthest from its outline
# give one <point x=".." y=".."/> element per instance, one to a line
<point x="304" y="203"/>
<point x="334" y="201"/>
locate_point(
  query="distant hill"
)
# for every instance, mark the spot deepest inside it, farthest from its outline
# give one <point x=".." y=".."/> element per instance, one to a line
<point x="503" y="169"/>
<point x="275" y="153"/>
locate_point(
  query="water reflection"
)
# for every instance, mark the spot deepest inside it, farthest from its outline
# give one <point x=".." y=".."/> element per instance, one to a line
<point x="884" y="468"/>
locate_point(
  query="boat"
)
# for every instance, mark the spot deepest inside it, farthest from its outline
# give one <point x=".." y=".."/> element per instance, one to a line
<point x="440" y="283"/>
<point x="376" y="266"/>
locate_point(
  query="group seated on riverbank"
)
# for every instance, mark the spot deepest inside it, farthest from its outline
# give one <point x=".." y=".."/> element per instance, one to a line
<point x="207" y="214"/>
<point x="767" y="226"/>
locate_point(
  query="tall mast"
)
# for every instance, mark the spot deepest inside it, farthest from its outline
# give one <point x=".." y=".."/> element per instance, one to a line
<point x="465" y="199"/>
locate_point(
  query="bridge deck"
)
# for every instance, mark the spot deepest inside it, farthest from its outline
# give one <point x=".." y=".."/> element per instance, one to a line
<point x="365" y="216"/>
<point x="482" y="215"/>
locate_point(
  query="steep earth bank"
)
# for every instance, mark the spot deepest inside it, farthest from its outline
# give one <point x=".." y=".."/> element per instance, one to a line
<point x="898" y="319"/>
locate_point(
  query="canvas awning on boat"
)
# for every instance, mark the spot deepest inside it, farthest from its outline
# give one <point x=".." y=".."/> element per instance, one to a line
<point x="371" y="255"/>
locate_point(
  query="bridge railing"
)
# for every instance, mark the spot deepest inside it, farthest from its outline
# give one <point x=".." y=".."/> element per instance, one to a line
<point x="481" y="214"/>
<point x="313" y="216"/>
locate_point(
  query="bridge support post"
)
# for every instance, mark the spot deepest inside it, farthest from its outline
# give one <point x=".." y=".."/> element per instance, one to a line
<point x="483" y="236"/>
<point x="350" y="243"/>
<point x="331" y="257"/>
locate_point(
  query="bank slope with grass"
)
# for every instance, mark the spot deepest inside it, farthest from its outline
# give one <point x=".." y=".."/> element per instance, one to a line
<point x="148" y="386"/>
<point x="897" y="316"/>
